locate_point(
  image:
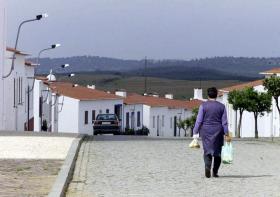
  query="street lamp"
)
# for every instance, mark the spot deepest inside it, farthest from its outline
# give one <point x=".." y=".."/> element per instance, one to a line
<point x="38" y="17"/>
<point x="52" y="103"/>
<point x="53" y="46"/>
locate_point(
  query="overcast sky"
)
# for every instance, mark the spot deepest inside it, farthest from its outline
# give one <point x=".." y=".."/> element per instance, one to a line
<point x="159" y="29"/>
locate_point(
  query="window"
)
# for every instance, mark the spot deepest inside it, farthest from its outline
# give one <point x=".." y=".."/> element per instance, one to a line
<point x="106" y="117"/>
<point x="171" y="121"/>
<point x="127" y="120"/>
<point x="162" y="123"/>
<point x="107" y="111"/>
<point x="93" y="115"/>
<point x="21" y="95"/>
<point x="154" y="121"/>
<point x="138" y="119"/>
<point x="100" y="111"/>
<point x="86" y="117"/>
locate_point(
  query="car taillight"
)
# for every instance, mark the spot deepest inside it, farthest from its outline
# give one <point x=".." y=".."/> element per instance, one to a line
<point x="97" y="122"/>
<point x="116" y="122"/>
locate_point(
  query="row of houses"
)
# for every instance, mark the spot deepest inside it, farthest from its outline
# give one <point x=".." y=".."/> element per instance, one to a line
<point x="69" y="108"/>
<point x="66" y="107"/>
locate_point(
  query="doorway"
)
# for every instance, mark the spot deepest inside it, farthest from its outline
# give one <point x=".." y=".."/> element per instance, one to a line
<point x="175" y="126"/>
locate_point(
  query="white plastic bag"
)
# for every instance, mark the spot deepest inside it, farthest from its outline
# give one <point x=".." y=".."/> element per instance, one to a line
<point x="227" y="153"/>
<point x="194" y="143"/>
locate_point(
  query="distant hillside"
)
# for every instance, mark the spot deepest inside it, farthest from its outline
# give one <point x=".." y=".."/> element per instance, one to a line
<point x="207" y="68"/>
<point x="190" y="73"/>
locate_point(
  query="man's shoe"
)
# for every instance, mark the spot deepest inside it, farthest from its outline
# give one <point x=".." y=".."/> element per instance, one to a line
<point x="207" y="173"/>
<point x="215" y="175"/>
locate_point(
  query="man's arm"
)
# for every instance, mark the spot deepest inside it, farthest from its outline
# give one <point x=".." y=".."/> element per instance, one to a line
<point x="225" y="125"/>
<point x="225" y="122"/>
<point x="199" y="121"/>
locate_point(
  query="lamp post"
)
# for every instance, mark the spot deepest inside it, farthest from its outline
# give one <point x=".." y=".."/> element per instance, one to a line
<point x="38" y="17"/>
<point x="52" y="103"/>
<point x="29" y="90"/>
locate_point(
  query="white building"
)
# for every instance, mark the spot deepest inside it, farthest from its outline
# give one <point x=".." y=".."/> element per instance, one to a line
<point x="159" y="115"/>
<point x="71" y="109"/>
<point x="2" y="58"/>
<point x="268" y="125"/>
<point x="15" y="101"/>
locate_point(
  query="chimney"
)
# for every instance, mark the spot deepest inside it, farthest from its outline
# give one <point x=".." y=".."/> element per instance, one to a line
<point x="198" y="94"/>
<point x="91" y="87"/>
<point x="169" y="96"/>
<point x="121" y="93"/>
<point x="155" y="94"/>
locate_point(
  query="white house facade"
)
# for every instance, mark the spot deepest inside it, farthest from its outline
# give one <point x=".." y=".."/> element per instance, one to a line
<point x="268" y="125"/>
<point x="159" y="115"/>
<point x="15" y="101"/>
<point x="72" y="109"/>
<point x="2" y="58"/>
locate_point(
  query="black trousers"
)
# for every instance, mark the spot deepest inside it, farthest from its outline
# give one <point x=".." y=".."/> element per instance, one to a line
<point x="208" y="162"/>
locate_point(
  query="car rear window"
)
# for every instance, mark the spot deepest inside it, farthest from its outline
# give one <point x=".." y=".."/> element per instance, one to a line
<point x="106" y="117"/>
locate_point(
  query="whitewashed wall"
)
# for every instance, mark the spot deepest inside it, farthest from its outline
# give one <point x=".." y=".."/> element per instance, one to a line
<point x="2" y="55"/>
<point x="15" y="114"/>
<point x="134" y="108"/>
<point x="268" y="125"/>
<point x="36" y="104"/>
<point x="146" y="115"/>
<point x="158" y="115"/>
<point x="68" y="118"/>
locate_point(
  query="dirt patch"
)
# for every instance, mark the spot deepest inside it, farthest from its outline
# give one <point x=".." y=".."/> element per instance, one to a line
<point x="28" y="177"/>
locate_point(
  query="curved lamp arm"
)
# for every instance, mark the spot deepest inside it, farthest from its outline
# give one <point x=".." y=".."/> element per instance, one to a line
<point x="38" y="17"/>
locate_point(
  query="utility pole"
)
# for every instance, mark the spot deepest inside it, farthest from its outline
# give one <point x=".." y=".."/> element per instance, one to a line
<point x="146" y="62"/>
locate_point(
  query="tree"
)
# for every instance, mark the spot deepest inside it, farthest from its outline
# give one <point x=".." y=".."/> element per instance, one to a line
<point x="239" y="103"/>
<point x="272" y="85"/>
<point x="182" y="124"/>
<point x="188" y="123"/>
<point x="258" y="103"/>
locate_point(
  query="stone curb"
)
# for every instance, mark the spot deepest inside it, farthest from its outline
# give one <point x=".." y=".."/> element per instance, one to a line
<point x="66" y="172"/>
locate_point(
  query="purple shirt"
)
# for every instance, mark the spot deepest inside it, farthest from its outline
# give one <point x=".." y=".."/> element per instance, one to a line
<point x="212" y="125"/>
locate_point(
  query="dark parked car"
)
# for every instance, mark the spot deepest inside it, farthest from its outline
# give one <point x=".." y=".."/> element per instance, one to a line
<point x="106" y="124"/>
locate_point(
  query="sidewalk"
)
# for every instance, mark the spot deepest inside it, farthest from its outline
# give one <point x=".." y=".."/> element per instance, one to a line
<point x="30" y="162"/>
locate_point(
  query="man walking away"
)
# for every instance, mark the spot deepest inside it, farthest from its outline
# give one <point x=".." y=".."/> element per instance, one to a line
<point x="212" y="125"/>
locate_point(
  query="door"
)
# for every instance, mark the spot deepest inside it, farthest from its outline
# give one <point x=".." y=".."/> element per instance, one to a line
<point x="175" y="126"/>
<point x="158" y="125"/>
<point x="132" y="120"/>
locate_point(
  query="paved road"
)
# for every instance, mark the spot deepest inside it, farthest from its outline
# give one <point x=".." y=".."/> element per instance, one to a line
<point x="152" y="168"/>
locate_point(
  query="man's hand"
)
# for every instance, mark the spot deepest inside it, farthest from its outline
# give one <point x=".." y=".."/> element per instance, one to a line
<point x="228" y="138"/>
<point x="196" y="136"/>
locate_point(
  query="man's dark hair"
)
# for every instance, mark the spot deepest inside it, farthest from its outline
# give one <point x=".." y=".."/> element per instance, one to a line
<point x="212" y="92"/>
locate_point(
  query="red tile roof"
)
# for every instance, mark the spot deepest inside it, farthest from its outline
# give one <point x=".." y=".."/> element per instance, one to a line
<point x="41" y="78"/>
<point x="80" y="92"/>
<point x="28" y="63"/>
<point x="161" y="102"/>
<point x="242" y="86"/>
<point x="271" y="72"/>
<point x="16" y="51"/>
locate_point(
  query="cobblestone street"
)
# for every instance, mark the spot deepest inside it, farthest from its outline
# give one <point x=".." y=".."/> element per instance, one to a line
<point x="147" y="168"/>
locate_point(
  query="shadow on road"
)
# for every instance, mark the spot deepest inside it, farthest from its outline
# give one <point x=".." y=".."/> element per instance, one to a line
<point x="244" y="176"/>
